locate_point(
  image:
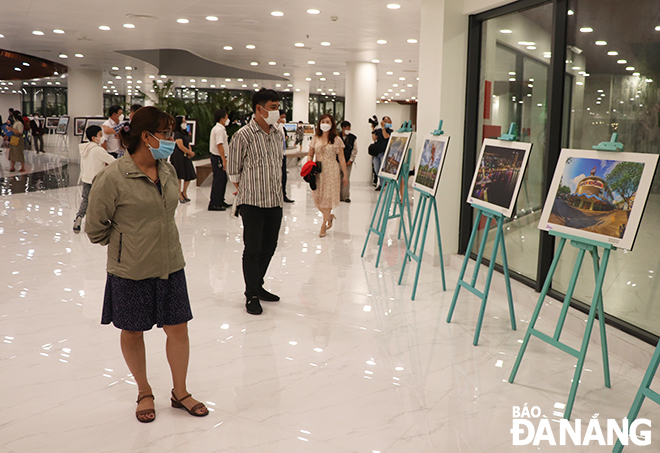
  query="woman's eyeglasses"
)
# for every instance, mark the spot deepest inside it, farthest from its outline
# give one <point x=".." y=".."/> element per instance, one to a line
<point x="168" y="134"/>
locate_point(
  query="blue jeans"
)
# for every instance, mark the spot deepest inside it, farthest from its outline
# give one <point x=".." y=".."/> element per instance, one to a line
<point x="377" y="161"/>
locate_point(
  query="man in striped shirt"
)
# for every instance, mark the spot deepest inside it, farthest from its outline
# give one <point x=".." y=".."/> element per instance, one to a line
<point x="255" y="167"/>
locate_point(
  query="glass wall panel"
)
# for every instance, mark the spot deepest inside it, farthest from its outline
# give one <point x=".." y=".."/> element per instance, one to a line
<point x="514" y="91"/>
<point x="613" y="71"/>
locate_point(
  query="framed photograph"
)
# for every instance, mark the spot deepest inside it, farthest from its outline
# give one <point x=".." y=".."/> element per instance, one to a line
<point x="599" y="195"/>
<point x="499" y="174"/>
<point x="308" y="129"/>
<point x="395" y="154"/>
<point x="191" y="126"/>
<point x="79" y="126"/>
<point x="429" y="166"/>
<point x="52" y="122"/>
<point x="291" y="127"/>
<point x="62" y="125"/>
<point x="91" y="122"/>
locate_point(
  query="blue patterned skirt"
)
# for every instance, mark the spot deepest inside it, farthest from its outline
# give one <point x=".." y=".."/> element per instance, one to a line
<point x="137" y="305"/>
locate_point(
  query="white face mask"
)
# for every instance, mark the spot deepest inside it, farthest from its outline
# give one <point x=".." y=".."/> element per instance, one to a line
<point x="184" y="125"/>
<point x="325" y="127"/>
<point x="273" y="117"/>
<point x="227" y="122"/>
<point x="121" y="117"/>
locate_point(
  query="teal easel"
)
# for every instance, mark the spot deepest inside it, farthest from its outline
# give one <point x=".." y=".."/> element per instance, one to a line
<point x="612" y="145"/>
<point x="511" y="136"/>
<point x="499" y="241"/>
<point x="384" y="211"/>
<point x="583" y="245"/>
<point x="426" y="203"/>
<point x="643" y="392"/>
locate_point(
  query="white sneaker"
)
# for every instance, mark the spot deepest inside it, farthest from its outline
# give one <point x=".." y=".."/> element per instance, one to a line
<point x="76" y="225"/>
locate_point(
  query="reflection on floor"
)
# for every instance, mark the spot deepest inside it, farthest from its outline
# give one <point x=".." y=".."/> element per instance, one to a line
<point x="346" y="362"/>
<point x="45" y="171"/>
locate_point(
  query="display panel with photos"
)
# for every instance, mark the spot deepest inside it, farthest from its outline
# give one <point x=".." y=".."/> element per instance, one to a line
<point x="308" y="129"/>
<point x="599" y="195"/>
<point x="290" y="127"/>
<point x="395" y="154"/>
<point x="499" y="175"/>
<point x="191" y="127"/>
<point x="79" y="126"/>
<point x="430" y="163"/>
<point x="91" y="122"/>
<point x="62" y="125"/>
<point x="52" y="122"/>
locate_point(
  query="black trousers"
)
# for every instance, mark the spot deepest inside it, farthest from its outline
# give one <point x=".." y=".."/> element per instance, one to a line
<point x="219" y="184"/>
<point x="284" y="177"/>
<point x="38" y="142"/>
<point x="261" y="229"/>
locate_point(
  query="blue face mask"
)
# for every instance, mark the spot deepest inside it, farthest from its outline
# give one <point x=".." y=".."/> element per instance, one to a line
<point x="164" y="150"/>
<point x="388" y="125"/>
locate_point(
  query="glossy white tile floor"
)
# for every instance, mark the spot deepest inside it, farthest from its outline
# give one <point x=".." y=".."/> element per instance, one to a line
<point x="346" y="362"/>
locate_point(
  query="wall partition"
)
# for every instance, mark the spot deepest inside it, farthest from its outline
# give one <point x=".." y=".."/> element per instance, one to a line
<point x="569" y="74"/>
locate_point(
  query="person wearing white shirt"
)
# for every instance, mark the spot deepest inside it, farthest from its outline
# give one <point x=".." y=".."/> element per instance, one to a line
<point x="217" y="144"/>
<point x="111" y="131"/>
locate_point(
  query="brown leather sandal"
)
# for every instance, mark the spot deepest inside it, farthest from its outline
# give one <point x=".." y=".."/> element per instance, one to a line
<point x="141" y="415"/>
<point x="193" y="410"/>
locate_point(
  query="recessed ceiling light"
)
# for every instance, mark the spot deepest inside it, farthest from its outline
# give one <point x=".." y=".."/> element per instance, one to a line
<point x="129" y="26"/>
<point x="622" y="61"/>
<point x="319" y="73"/>
<point x="297" y="89"/>
<point x="570" y="12"/>
<point x="512" y="79"/>
<point x="325" y="43"/>
<point x="63" y="55"/>
<point x="526" y="43"/>
<point x="398" y="61"/>
<point x="192" y="80"/>
<point x="309" y="79"/>
<point x="649" y="80"/>
<point x="254" y="63"/>
<point x="255" y="84"/>
<point x="286" y="74"/>
<point x="25" y="63"/>
<point x="183" y="21"/>
<point x="104" y="28"/>
<point x="128" y="68"/>
<point x="531" y="47"/>
<point x="278" y="85"/>
<point x="410" y="85"/>
<point x="402" y="78"/>
<point x="228" y="48"/>
<point x="78" y="55"/>
<point x="586" y="29"/>
<point x="313" y="11"/>
<point x="118" y="77"/>
<point x="299" y="44"/>
<point x="389" y="73"/>
<point x="1" y="35"/>
<point x="17" y="69"/>
<point x="58" y="31"/>
<point x="311" y="62"/>
<point x="211" y="18"/>
<point x="636" y="74"/>
<point x="412" y="41"/>
<point x="272" y="63"/>
<point x="657" y="28"/>
<point x="289" y="84"/>
<point x="630" y="68"/>
<point x="395" y="85"/>
<point x="277" y="13"/>
<point x="239" y="80"/>
<point x="576" y="68"/>
<point x="244" y="86"/>
<point x="601" y="43"/>
<point x="612" y="52"/>
<point x="38" y="33"/>
<point x="375" y="60"/>
<point x="251" y="46"/>
<point x="335" y="73"/>
<point x="506" y="31"/>
<point x="381" y="41"/>
<point x="322" y="79"/>
<point x="394" y="6"/>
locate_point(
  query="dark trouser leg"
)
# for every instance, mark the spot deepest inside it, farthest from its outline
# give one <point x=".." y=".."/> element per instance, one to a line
<point x="346" y="189"/>
<point x="39" y="143"/>
<point x="271" y="233"/>
<point x="284" y="177"/>
<point x="85" y="199"/>
<point x="219" y="182"/>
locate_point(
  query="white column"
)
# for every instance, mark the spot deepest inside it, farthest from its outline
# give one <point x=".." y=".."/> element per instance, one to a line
<point x="442" y="73"/>
<point x="300" y="100"/>
<point x="361" y="80"/>
<point x="85" y="98"/>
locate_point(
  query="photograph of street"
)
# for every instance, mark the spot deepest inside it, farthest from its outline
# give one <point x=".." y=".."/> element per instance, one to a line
<point x="396" y="149"/>
<point x="596" y="195"/>
<point x="498" y="174"/>
<point x="430" y="163"/>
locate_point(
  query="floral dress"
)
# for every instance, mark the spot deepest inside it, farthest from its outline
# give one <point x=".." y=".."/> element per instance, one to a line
<point x="328" y="182"/>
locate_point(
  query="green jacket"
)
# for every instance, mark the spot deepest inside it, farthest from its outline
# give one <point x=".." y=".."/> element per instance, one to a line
<point x="128" y="214"/>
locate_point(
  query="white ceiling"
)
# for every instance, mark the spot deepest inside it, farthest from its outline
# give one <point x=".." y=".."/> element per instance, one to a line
<point x="351" y="27"/>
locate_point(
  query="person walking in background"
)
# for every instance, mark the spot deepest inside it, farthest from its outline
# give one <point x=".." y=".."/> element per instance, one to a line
<point x="255" y="168"/>
<point x="16" y="143"/>
<point x="93" y="158"/>
<point x="37" y="133"/>
<point x="300" y="135"/>
<point x="350" y="153"/>
<point x="381" y="136"/>
<point x="111" y="131"/>
<point x="328" y="149"/>
<point x="185" y="170"/>
<point x="280" y="125"/>
<point x="134" y="108"/>
<point x="131" y="210"/>
<point x="217" y="143"/>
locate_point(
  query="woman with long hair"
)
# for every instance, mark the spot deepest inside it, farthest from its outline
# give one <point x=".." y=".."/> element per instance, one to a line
<point x="185" y="170"/>
<point x="131" y="210"/>
<point x="328" y="149"/>
<point x="16" y="149"/>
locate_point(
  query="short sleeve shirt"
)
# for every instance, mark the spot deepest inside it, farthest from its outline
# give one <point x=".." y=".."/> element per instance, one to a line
<point x="218" y="136"/>
<point x="112" y="142"/>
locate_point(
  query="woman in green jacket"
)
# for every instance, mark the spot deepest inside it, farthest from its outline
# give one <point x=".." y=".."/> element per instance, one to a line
<point x="131" y="210"/>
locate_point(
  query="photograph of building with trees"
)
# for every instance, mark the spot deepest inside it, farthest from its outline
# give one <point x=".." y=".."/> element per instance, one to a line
<point x="429" y="162"/>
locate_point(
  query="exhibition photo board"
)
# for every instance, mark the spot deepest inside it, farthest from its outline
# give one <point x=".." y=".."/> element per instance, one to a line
<point x="395" y="155"/>
<point x="499" y="175"/>
<point x="79" y="126"/>
<point x="430" y="163"/>
<point x="91" y="122"/>
<point x="599" y="195"/>
<point x="62" y="125"/>
<point x="308" y="129"/>
<point x="191" y="127"/>
<point x="52" y="122"/>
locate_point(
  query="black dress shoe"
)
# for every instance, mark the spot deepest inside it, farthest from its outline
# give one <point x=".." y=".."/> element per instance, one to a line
<point x="288" y="200"/>
<point x="253" y="306"/>
<point x="226" y="205"/>
<point x="217" y="208"/>
<point x="348" y="200"/>
<point x="268" y="297"/>
<point x="378" y="189"/>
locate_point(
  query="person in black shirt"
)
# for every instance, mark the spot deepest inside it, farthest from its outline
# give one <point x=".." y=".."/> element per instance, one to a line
<point x="350" y="153"/>
<point x="381" y="136"/>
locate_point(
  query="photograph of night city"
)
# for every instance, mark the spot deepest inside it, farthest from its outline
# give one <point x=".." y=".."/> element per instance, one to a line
<point x="498" y="175"/>
<point x="596" y="195"/>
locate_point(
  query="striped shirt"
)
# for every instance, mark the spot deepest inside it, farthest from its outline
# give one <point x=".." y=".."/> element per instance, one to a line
<point x="255" y="163"/>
